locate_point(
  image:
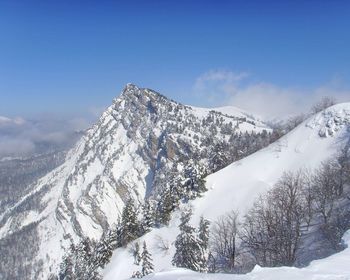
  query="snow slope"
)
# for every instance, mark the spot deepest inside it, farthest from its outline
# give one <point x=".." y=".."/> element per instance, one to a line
<point x="335" y="267"/>
<point x="239" y="184"/>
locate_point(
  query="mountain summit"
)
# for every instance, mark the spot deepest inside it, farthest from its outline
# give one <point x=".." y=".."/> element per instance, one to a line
<point x="139" y="144"/>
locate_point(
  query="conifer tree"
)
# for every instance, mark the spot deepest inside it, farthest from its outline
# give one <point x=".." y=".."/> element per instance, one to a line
<point x="104" y="248"/>
<point x="147" y="266"/>
<point x="203" y="235"/>
<point x="85" y="267"/>
<point x="130" y="229"/>
<point x="203" y="232"/>
<point x="83" y="256"/>
<point x="136" y="254"/>
<point x="66" y="267"/>
<point x="193" y="184"/>
<point x="79" y="263"/>
<point x="137" y="274"/>
<point x="148" y="216"/>
<point x="167" y="202"/>
<point x="188" y="250"/>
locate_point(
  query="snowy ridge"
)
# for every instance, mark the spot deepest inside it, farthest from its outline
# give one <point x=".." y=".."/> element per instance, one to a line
<point x="241" y="182"/>
<point x="238" y="185"/>
<point x="250" y="122"/>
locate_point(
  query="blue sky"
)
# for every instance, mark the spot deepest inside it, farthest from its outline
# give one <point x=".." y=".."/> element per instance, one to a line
<point x="70" y="57"/>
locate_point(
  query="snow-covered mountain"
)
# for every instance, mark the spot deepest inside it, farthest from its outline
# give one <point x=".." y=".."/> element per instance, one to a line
<point x="237" y="186"/>
<point x="130" y="152"/>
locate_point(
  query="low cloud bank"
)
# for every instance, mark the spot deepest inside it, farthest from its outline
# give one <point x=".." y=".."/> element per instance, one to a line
<point x="222" y="87"/>
<point x="24" y="137"/>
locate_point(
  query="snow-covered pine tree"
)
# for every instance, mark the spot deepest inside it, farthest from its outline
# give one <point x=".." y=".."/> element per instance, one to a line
<point x="188" y="250"/>
<point x="116" y="235"/>
<point x="203" y="235"/>
<point x="148" y="216"/>
<point x="167" y="202"/>
<point x="147" y="266"/>
<point x="83" y="257"/>
<point x="79" y="263"/>
<point x="85" y="267"/>
<point x="136" y="254"/>
<point x="130" y="228"/>
<point x="137" y="274"/>
<point x="66" y="267"/>
<point x="193" y="182"/>
<point x="218" y="156"/>
<point x="203" y="232"/>
<point x="104" y="248"/>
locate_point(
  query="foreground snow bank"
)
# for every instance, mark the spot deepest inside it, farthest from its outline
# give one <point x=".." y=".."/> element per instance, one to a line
<point x="335" y="267"/>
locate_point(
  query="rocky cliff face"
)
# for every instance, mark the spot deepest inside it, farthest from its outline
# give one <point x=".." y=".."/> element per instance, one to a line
<point x="137" y="143"/>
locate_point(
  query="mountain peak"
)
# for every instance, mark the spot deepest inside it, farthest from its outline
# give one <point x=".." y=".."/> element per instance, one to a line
<point x="130" y="89"/>
<point x="141" y="142"/>
<point x="130" y="86"/>
<point x="136" y="94"/>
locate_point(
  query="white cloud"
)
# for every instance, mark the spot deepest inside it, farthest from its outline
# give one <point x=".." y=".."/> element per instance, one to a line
<point x="8" y="121"/>
<point x="216" y="84"/>
<point x="15" y="147"/>
<point x="262" y="98"/>
<point x="24" y="137"/>
<point x="223" y="77"/>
